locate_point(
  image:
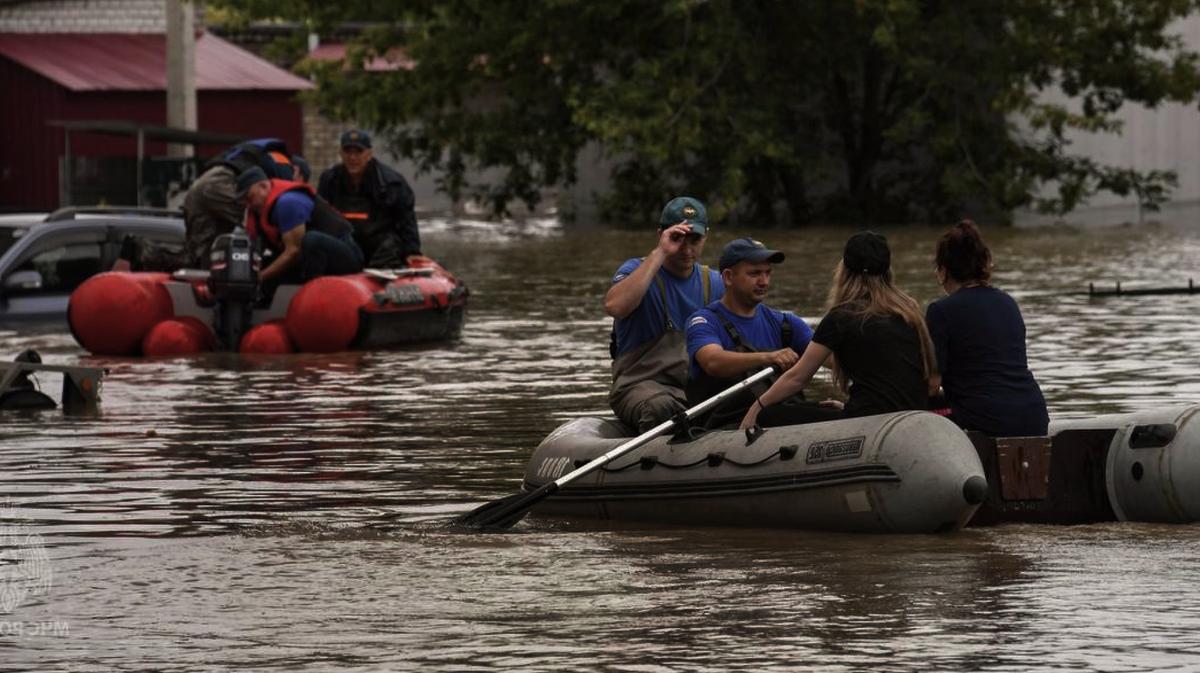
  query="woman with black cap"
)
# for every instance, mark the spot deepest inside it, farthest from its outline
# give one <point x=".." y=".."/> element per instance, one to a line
<point x="979" y="342"/>
<point x="872" y="335"/>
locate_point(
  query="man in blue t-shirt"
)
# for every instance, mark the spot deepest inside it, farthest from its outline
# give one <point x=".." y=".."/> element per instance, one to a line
<point x="650" y="300"/>
<point x="738" y="335"/>
<point x="306" y="236"/>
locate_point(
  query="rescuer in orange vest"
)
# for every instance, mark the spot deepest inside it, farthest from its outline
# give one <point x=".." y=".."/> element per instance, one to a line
<point x="307" y="237"/>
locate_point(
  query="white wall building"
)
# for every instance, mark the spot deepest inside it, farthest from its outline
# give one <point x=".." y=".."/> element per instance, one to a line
<point x="1164" y="138"/>
<point x="92" y="16"/>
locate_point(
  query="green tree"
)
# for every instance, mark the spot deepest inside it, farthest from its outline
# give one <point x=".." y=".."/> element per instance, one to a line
<point x="774" y="112"/>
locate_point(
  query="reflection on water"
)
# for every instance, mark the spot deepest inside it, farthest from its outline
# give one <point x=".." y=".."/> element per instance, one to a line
<point x="284" y="512"/>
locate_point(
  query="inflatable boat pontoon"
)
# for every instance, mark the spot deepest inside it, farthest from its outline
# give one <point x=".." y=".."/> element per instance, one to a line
<point x="906" y="472"/>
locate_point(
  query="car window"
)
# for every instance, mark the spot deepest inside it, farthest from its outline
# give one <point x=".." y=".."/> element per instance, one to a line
<point x="8" y="236"/>
<point x="62" y="267"/>
<point x="161" y="235"/>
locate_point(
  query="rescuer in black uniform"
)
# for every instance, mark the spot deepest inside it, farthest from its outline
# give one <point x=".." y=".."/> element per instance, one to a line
<point x="376" y="200"/>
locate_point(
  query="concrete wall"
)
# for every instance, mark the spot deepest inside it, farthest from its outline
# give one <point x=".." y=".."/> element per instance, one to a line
<point x="1165" y="138"/>
<point x="85" y="16"/>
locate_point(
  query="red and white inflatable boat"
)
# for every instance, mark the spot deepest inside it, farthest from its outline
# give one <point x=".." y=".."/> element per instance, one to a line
<point x="152" y="313"/>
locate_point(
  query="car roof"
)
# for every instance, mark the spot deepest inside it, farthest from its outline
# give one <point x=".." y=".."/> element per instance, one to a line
<point x="88" y="217"/>
<point x="87" y="213"/>
<point x="15" y="220"/>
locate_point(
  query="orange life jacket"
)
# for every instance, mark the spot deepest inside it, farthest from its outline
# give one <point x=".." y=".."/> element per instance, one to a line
<point x="258" y="221"/>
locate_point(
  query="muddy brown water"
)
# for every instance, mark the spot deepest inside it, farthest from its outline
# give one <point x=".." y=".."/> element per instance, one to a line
<point x="225" y="513"/>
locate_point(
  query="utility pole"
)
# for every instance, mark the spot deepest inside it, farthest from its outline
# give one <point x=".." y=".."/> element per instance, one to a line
<point x="181" y="71"/>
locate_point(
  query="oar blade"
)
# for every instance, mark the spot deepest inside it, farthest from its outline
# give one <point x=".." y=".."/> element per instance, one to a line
<point x="502" y="514"/>
<point x="491" y="515"/>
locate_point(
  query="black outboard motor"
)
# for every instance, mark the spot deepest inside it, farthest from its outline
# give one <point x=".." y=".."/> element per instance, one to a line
<point x="233" y="280"/>
<point x="20" y="393"/>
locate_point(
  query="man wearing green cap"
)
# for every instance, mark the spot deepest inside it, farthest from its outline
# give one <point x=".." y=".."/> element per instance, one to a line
<point x="650" y="301"/>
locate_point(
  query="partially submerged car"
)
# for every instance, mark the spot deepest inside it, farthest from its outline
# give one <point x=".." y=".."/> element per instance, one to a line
<point x="43" y="258"/>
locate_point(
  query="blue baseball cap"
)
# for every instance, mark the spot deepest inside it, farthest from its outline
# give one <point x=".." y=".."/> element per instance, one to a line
<point x="356" y="138"/>
<point x="684" y="209"/>
<point x="747" y="250"/>
<point x="301" y="168"/>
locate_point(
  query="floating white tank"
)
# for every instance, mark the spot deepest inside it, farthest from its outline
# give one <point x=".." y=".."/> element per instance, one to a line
<point x="1152" y="469"/>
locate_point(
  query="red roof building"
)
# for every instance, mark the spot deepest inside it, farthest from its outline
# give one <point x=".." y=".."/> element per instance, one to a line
<point x="54" y="77"/>
<point x="396" y="59"/>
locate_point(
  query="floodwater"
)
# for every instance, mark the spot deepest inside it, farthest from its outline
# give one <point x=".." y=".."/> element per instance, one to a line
<point x="225" y="513"/>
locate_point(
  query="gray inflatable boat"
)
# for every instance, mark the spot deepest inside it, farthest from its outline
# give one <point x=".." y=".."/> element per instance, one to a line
<point x="906" y="472"/>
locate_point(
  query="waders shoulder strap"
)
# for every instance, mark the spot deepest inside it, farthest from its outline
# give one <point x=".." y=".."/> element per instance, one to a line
<point x="668" y="324"/>
<point x="741" y="346"/>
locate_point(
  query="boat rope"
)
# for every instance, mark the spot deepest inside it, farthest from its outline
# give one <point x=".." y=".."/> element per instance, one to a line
<point x="786" y="452"/>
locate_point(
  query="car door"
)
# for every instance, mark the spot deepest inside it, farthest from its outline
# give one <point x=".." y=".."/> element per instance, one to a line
<point x="40" y="281"/>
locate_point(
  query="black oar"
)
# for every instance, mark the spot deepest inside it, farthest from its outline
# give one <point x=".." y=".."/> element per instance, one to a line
<point x="505" y="512"/>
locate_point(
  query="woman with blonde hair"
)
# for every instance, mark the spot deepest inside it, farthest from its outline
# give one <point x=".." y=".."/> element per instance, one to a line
<point x="872" y="335"/>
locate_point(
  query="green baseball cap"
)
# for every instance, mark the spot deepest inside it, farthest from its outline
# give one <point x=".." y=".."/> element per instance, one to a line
<point x="685" y="209"/>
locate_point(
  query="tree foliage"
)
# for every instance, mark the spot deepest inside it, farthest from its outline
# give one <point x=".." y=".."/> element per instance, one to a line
<point x="773" y="112"/>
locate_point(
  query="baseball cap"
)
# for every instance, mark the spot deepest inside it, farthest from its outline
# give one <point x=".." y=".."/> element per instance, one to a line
<point x="747" y="250"/>
<point x="867" y="253"/>
<point x="303" y="172"/>
<point x="356" y="138"/>
<point x="248" y="178"/>
<point x="685" y="209"/>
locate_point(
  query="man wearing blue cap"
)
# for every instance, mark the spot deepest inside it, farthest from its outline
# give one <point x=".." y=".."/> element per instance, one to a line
<point x="377" y="200"/>
<point x="739" y="334"/>
<point x="650" y="300"/>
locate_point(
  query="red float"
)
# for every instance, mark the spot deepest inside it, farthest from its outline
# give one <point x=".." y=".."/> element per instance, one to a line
<point x="110" y="313"/>
<point x="113" y="313"/>
<point x="179" y="336"/>
<point x="323" y="316"/>
<point x="270" y="338"/>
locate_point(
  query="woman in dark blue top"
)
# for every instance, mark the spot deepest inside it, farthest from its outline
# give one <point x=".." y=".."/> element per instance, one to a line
<point x="979" y="341"/>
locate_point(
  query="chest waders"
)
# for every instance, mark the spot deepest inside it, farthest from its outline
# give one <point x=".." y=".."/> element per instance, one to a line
<point x="649" y="381"/>
<point x="734" y="408"/>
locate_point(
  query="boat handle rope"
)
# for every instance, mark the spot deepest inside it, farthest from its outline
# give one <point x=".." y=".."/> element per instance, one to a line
<point x="786" y="452"/>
